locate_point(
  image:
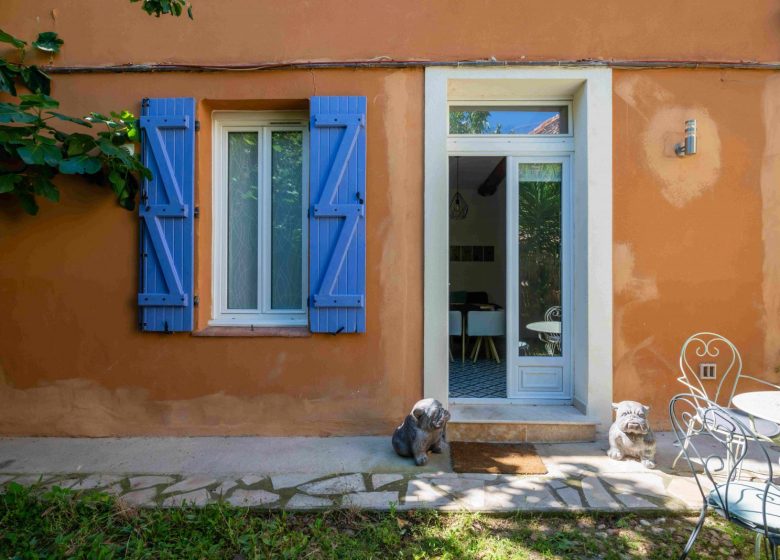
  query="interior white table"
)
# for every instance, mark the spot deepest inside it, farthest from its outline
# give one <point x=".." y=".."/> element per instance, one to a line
<point x="760" y="404"/>
<point x="547" y="327"/>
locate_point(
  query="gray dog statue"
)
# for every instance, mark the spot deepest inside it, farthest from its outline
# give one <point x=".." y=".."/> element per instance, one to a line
<point x="630" y="435"/>
<point x="422" y="431"/>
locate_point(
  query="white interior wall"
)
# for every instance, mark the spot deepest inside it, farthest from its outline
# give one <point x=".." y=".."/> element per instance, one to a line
<point x="484" y="225"/>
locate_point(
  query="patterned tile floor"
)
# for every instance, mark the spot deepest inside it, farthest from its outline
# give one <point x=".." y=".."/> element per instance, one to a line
<point x="483" y="379"/>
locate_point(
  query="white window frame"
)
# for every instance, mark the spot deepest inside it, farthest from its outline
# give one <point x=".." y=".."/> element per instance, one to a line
<point x="264" y="123"/>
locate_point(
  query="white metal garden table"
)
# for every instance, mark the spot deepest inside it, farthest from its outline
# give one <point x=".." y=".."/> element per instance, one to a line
<point x="760" y="404"/>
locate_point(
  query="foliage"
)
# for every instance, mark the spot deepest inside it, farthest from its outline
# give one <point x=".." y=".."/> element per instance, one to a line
<point x="160" y="7"/>
<point x="34" y="149"/>
<point x="63" y="524"/>
<point x="469" y="122"/>
<point x="540" y="251"/>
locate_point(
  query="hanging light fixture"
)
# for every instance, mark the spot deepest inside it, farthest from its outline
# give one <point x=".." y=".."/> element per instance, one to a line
<point x="458" y="207"/>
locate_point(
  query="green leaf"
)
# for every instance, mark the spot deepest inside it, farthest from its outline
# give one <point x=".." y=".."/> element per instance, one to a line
<point x="7" y="81"/>
<point x="28" y="203"/>
<point x="39" y="100"/>
<point x="7" y="38"/>
<point x="76" y="120"/>
<point x="43" y="186"/>
<point x="80" y="164"/>
<point x="8" y="182"/>
<point x="111" y="150"/>
<point x="16" y="134"/>
<point x="48" y="41"/>
<point x="189" y="12"/>
<point x="40" y="153"/>
<point x="79" y="144"/>
<point x="10" y="112"/>
<point x="36" y="80"/>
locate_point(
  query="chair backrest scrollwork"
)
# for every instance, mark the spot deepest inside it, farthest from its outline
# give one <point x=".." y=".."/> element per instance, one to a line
<point x="709" y="348"/>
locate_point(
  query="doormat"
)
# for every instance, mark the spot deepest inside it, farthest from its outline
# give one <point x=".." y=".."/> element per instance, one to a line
<point x="495" y="458"/>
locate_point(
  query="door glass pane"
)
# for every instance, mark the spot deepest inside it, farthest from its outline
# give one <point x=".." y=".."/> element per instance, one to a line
<point x="539" y="238"/>
<point x="286" y="219"/>
<point x="242" y="220"/>
<point x="534" y="120"/>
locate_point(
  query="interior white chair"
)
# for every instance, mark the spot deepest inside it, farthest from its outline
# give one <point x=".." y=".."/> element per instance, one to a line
<point x="552" y="341"/>
<point x="485" y="325"/>
<point x="710" y="353"/>
<point x="456" y="329"/>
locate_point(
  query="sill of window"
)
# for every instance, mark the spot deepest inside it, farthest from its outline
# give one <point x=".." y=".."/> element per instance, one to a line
<point x="236" y="331"/>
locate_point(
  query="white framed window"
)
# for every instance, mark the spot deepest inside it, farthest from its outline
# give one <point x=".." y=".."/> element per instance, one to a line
<point x="260" y="197"/>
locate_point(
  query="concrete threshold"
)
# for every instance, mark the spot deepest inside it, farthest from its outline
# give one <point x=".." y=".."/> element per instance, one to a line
<point x="518" y="413"/>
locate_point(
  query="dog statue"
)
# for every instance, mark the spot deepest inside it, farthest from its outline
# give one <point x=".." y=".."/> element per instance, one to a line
<point x="421" y="431"/>
<point x="630" y="435"/>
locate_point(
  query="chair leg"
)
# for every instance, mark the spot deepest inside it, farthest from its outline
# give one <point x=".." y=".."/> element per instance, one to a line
<point x="463" y="338"/>
<point x="452" y="358"/>
<point x="494" y="350"/>
<point x="477" y="346"/>
<point x="685" y="443"/>
<point x="695" y="533"/>
<point x="771" y="549"/>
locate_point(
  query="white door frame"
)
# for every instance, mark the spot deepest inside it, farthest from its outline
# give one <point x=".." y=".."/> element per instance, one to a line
<point x="542" y="366"/>
<point x="590" y="90"/>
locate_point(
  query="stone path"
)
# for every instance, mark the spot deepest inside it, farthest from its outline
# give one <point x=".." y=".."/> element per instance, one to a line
<point x="445" y="491"/>
<point x="579" y="477"/>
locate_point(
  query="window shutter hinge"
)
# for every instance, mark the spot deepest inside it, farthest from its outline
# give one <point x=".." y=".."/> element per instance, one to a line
<point x="195" y="300"/>
<point x="197" y="125"/>
<point x="196" y="212"/>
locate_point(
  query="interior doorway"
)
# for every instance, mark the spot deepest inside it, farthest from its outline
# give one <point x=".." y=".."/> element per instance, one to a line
<point x="477" y="281"/>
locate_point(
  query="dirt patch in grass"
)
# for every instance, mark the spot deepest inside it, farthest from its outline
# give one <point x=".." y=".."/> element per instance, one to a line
<point x="64" y="524"/>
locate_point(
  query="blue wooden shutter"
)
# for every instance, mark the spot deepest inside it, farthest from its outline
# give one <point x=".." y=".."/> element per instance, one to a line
<point x="337" y="218"/>
<point x="166" y="211"/>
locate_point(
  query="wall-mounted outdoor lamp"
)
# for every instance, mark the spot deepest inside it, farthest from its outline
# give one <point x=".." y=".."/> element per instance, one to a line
<point x="687" y="148"/>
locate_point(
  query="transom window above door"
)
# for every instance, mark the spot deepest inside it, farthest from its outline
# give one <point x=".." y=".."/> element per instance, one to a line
<point x="517" y="120"/>
<point x="260" y="227"/>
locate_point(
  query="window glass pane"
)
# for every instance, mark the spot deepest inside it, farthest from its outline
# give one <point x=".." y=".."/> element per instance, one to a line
<point x="242" y="220"/>
<point x="286" y="219"/>
<point x="539" y="237"/>
<point x="538" y="120"/>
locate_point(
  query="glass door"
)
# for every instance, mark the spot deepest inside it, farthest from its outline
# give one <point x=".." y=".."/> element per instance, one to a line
<point x="539" y="290"/>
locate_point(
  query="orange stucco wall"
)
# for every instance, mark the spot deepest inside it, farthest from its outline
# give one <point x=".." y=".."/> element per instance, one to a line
<point x="696" y="241"/>
<point x="72" y="360"/>
<point x="112" y="31"/>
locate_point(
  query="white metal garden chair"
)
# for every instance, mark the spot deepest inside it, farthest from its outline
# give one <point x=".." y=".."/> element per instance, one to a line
<point x="704" y="358"/>
<point x="552" y="341"/>
<point x="752" y="503"/>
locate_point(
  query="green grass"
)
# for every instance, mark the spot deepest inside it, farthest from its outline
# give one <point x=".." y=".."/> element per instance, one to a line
<point x="63" y="524"/>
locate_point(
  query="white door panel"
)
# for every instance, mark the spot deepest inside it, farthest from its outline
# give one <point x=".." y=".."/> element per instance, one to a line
<point x="539" y="283"/>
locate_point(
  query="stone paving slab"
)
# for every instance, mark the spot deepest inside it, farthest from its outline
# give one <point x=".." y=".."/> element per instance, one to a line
<point x="580" y="477"/>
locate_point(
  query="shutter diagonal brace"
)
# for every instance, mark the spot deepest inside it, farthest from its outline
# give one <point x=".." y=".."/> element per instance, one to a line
<point x="326" y="208"/>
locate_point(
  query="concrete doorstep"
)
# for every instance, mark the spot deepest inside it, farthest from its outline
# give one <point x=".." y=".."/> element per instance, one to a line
<point x="325" y="473"/>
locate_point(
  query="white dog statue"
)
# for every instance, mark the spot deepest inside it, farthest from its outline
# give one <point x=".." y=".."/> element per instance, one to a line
<point x="630" y="435"/>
